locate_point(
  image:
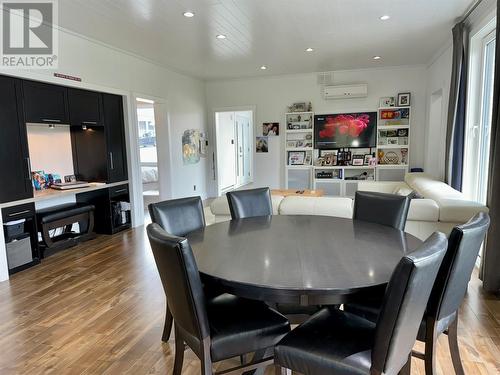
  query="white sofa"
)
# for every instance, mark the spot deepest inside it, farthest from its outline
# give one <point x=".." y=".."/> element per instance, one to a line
<point x="440" y="208"/>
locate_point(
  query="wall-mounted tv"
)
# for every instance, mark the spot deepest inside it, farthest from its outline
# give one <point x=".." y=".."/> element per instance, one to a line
<point x="344" y="130"/>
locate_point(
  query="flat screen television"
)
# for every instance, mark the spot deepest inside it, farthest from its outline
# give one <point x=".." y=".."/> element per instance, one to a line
<point x="344" y="130"/>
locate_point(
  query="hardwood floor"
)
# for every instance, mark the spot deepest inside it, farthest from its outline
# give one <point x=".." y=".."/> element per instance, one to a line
<point x="98" y="308"/>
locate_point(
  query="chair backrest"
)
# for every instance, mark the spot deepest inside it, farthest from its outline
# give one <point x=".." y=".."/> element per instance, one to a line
<point x="404" y="305"/>
<point x="178" y="216"/>
<point x="181" y="281"/>
<point x="381" y="208"/>
<point x="455" y="272"/>
<point x="250" y="203"/>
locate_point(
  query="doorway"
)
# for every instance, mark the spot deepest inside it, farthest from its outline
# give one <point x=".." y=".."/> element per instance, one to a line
<point x="234" y="154"/>
<point x="148" y="154"/>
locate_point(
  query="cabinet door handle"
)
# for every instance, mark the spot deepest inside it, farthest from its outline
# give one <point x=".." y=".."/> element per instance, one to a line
<point x="89" y="122"/>
<point x="120" y="191"/>
<point x="111" y="160"/>
<point x="18" y="213"/>
<point x="28" y="166"/>
<point x="51" y="120"/>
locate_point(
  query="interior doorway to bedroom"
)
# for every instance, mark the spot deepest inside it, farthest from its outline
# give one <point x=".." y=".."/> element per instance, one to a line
<point x="148" y="154"/>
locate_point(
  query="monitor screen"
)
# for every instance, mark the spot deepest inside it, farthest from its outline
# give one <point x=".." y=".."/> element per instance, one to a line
<point x="344" y="130"/>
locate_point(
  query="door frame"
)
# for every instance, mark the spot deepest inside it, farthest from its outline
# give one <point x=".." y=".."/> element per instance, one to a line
<point x="163" y="149"/>
<point x="215" y="177"/>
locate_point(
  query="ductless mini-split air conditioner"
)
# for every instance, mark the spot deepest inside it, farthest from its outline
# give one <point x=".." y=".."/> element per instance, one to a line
<point x="345" y="91"/>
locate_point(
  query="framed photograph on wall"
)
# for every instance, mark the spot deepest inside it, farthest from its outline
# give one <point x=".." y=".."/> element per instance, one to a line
<point x="261" y="144"/>
<point x="404" y="99"/>
<point x="270" y="129"/>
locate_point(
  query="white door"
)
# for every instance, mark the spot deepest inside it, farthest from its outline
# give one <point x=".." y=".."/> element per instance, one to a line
<point x="243" y="121"/>
<point x="226" y="150"/>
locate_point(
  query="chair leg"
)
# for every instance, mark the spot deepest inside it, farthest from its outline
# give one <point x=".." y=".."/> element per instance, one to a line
<point x="206" y="359"/>
<point x="167" y="328"/>
<point x="179" y="353"/>
<point x="454" y="348"/>
<point x="430" y="348"/>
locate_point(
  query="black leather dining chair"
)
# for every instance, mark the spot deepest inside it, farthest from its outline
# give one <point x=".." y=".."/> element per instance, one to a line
<point x="177" y="217"/>
<point x="216" y="328"/>
<point x="250" y="203"/>
<point x="338" y="342"/>
<point x="447" y="295"/>
<point x="381" y="208"/>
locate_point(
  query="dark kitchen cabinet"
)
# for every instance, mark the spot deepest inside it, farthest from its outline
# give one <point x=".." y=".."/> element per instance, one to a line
<point x="14" y="154"/>
<point x="112" y="208"/>
<point x="85" y="108"/>
<point x="45" y="103"/>
<point x="115" y="137"/>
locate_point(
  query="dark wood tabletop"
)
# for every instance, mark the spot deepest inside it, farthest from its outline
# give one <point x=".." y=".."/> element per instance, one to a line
<point x="300" y="259"/>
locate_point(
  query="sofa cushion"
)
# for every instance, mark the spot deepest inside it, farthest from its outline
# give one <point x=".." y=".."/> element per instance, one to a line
<point x="423" y="210"/>
<point x="458" y="210"/>
<point x="219" y="206"/>
<point x="325" y="206"/>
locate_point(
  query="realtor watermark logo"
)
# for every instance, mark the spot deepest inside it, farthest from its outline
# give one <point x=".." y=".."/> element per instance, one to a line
<point x="29" y="38"/>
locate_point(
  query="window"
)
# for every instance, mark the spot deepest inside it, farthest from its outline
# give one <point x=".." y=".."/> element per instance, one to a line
<point x="480" y="104"/>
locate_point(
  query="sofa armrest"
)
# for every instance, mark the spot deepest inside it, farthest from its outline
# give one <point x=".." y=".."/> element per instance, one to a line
<point x="459" y="210"/>
<point x="423" y="210"/>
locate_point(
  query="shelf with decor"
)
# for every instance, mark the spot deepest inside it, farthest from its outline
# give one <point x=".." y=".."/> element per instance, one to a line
<point x="299" y="142"/>
<point x="393" y="143"/>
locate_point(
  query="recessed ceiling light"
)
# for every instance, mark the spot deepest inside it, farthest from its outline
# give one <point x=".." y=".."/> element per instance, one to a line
<point x="384" y="17"/>
<point x="188" y="14"/>
<point x="376" y="57"/>
<point x="220" y="36"/>
<point x="309" y="49"/>
<point x="263" y="67"/>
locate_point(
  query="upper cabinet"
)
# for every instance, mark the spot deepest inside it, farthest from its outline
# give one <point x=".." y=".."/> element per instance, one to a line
<point x="115" y="137"/>
<point x="14" y="155"/>
<point x="45" y="103"/>
<point x="85" y="108"/>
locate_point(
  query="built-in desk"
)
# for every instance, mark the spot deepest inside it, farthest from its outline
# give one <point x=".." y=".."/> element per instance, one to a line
<point x="50" y="197"/>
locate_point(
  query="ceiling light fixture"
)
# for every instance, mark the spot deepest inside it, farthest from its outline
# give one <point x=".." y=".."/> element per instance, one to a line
<point x="309" y="49"/>
<point x="263" y="67"/>
<point x="188" y="14"/>
<point x="376" y="57"/>
<point x="221" y="36"/>
<point x="384" y="17"/>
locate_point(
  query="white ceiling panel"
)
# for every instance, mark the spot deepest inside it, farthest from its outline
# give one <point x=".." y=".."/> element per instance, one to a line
<point x="345" y="34"/>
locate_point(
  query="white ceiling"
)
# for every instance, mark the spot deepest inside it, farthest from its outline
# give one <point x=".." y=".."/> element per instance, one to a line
<point x="345" y="34"/>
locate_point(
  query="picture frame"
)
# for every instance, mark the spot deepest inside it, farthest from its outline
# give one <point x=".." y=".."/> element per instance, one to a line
<point x="330" y="159"/>
<point x="393" y="141"/>
<point x="296" y="157"/>
<point x="367" y="158"/>
<point x="270" y="129"/>
<point x="291" y="144"/>
<point x="261" y="145"/>
<point x="404" y="99"/>
<point x="358" y="160"/>
<point x="388" y="101"/>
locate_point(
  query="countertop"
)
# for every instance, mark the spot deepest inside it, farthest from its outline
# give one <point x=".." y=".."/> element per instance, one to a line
<point x="47" y="194"/>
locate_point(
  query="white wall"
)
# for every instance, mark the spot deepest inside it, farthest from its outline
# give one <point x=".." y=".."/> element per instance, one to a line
<point x="438" y="85"/>
<point x="272" y="95"/>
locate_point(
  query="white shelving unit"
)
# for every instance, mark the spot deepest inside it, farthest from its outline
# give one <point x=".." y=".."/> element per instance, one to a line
<point x="299" y="143"/>
<point x="393" y="143"/>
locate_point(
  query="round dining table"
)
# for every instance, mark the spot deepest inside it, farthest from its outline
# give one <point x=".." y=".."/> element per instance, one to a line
<point x="304" y="260"/>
